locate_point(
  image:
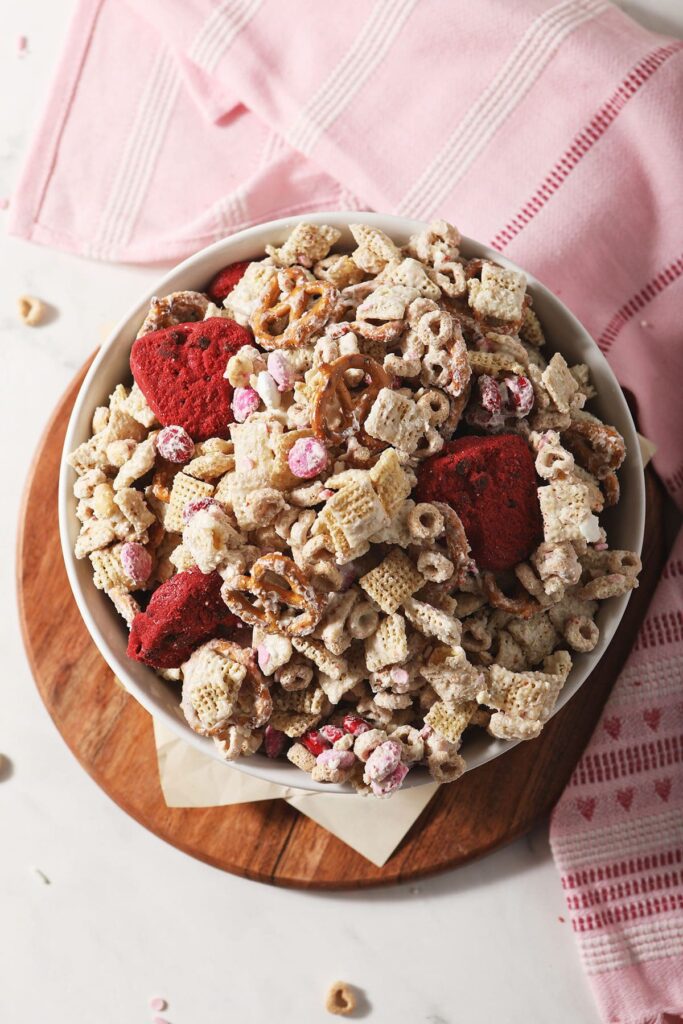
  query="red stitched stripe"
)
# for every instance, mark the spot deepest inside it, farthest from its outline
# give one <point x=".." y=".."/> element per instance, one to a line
<point x="658" y="630"/>
<point x="632" y="912"/>
<point x="623" y="890"/>
<point x="638" y="301"/>
<point x="608" y="872"/>
<point x="585" y="140"/>
<point x="623" y="762"/>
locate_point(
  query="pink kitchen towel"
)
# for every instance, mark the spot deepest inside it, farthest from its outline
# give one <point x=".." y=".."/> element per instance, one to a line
<point x="551" y="131"/>
<point x="617" y="832"/>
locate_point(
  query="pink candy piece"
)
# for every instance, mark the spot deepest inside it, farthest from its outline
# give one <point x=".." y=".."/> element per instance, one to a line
<point x="22" y="44"/>
<point x="199" y="505"/>
<point x="389" y="785"/>
<point x="331" y="733"/>
<point x="244" y="402"/>
<point x="355" y="724"/>
<point x="490" y="394"/>
<point x="281" y="371"/>
<point x="158" y="1004"/>
<point x="521" y="395"/>
<point x="175" y="444"/>
<point x="263" y="656"/>
<point x="336" y="759"/>
<point x="273" y="741"/>
<point x="4" y="203"/>
<point x="384" y="760"/>
<point x="136" y="562"/>
<point x="399" y="675"/>
<point x="307" y="457"/>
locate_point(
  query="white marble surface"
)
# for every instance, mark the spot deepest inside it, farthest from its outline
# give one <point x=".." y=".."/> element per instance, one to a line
<point x="126" y="916"/>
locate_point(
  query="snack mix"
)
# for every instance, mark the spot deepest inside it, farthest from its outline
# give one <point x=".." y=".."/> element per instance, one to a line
<point x="351" y="509"/>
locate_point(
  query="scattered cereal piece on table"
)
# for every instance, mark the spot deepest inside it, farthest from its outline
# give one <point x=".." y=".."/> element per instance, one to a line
<point x="340" y="999"/>
<point x="31" y="310"/>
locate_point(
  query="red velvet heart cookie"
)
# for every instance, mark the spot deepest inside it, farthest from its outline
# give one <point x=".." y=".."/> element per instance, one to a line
<point x="184" y="612"/>
<point x="491" y="483"/>
<point x="180" y="372"/>
<point x="225" y="280"/>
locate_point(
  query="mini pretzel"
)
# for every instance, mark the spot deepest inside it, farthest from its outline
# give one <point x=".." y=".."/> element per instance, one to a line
<point x="521" y="605"/>
<point x="298" y="594"/>
<point x="353" y="405"/>
<point x="301" y="320"/>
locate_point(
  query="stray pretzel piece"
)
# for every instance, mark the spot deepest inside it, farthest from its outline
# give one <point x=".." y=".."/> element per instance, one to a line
<point x="298" y="594"/>
<point x="290" y="322"/>
<point x="353" y="406"/>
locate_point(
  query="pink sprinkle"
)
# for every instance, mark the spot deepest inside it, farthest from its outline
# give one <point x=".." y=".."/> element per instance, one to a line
<point x="158" y="1004"/>
<point x="336" y="759"/>
<point x="22" y="44"/>
<point x="383" y="761"/>
<point x="399" y="675"/>
<point x="307" y="457"/>
<point x="175" y="444"/>
<point x="490" y="393"/>
<point x="326" y="493"/>
<point x="281" y="371"/>
<point x="159" y="1020"/>
<point x="136" y="562"/>
<point x="521" y="394"/>
<point x="4" y="203"/>
<point x="263" y="656"/>
<point x="200" y="505"/>
<point x="273" y="741"/>
<point x="389" y="785"/>
<point x="332" y="733"/>
<point x="245" y="401"/>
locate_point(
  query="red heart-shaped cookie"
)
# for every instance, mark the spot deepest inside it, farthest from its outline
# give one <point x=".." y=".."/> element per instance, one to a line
<point x="183" y="613"/>
<point x="491" y="483"/>
<point x="180" y="372"/>
<point x="225" y="280"/>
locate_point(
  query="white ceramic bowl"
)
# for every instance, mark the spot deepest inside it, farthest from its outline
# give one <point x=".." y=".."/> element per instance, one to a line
<point x="564" y="333"/>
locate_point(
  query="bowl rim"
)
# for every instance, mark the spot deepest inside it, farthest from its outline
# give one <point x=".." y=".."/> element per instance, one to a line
<point x="391" y="224"/>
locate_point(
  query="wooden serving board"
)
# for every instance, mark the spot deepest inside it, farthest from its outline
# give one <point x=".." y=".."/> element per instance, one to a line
<point x="112" y="736"/>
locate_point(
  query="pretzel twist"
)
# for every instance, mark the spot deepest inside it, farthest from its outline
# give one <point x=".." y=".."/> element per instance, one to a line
<point x="297" y="594"/>
<point x="302" y="318"/>
<point x="353" y="405"/>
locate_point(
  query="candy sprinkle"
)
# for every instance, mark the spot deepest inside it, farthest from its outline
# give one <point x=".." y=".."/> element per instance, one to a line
<point x="158" y="1003"/>
<point x="22" y="44"/>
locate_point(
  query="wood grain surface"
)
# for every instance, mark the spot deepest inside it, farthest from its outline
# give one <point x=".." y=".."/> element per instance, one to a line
<point x="112" y="736"/>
